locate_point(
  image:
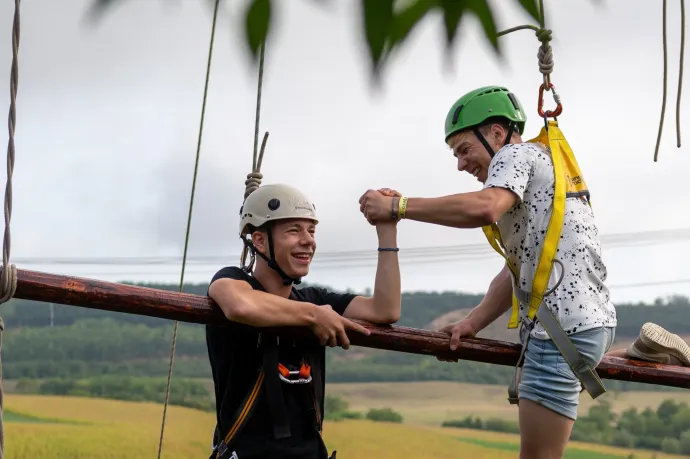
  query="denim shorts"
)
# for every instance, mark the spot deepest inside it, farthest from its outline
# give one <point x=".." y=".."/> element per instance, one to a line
<point x="547" y="378"/>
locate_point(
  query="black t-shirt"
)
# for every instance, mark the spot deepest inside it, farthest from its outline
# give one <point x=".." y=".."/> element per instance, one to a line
<point x="235" y="360"/>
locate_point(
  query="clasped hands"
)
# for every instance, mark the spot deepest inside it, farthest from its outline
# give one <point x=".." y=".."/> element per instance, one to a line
<point x="378" y="206"/>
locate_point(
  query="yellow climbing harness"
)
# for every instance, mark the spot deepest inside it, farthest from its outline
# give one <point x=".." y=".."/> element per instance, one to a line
<point x="568" y="182"/>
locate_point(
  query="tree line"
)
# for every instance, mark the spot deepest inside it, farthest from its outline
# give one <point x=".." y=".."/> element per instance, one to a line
<point x="337" y="408"/>
<point x="665" y="429"/>
<point x="183" y="392"/>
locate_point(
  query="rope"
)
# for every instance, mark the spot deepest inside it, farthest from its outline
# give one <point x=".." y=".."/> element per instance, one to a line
<point x="8" y="282"/>
<point x="663" y="95"/>
<point x="545" y="56"/>
<point x="253" y="181"/>
<point x="680" y="70"/>
<point x="545" y="53"/>
<point x="254" y="178"/>
<point x="189" y="221"/>
<point x="665" y="78"/>
<point x="545" y="59"/>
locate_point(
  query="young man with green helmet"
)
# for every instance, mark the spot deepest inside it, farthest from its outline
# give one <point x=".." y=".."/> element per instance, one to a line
<point x="269" y="386"/>
<point x="483" y="129"/>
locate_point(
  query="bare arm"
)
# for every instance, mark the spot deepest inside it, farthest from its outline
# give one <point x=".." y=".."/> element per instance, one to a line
<point x="241" y="303"/>
<point x="385" y="304"/>
<point x="464" y="210"/>
<point x="498" y="300"/>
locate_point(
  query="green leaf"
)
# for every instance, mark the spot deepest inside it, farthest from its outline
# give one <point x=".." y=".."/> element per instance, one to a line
<point x="452" y="13"/>
<point x="483" y="12"/>
<point x="378" y="17"/>
<point x="99" y="7"/>
<point x="257" y="22"/>
<point x="406" y="20"/>
<point x="532" y="7"/>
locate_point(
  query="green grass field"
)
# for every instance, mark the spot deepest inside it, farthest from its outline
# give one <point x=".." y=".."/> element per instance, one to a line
<point x="431" y="403"/>
<point x="72" y="427"/>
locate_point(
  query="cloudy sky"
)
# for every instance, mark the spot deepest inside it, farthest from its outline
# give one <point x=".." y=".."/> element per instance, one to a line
<point x="108" y="117"/>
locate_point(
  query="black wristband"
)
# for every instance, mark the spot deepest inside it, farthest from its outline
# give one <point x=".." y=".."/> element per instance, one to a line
<point x="394" y="215"/>
<point x="388" y="249"/>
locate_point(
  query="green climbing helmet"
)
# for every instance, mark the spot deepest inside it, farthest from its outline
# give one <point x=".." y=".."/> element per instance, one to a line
<point x="477" y="106"/>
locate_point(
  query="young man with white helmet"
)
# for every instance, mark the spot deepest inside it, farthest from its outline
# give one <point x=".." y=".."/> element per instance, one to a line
<point x="270" y="388"/>
<point x="483" y="128"/>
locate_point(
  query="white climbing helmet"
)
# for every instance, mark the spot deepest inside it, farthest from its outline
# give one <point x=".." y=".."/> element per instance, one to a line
<point x="274" y="202"/>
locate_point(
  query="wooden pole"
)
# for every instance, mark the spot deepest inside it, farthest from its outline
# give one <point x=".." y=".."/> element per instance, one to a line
<point x="185" y="307"/>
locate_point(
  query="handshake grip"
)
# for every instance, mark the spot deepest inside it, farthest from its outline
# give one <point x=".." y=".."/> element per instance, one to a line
<point x="383" y="205"/>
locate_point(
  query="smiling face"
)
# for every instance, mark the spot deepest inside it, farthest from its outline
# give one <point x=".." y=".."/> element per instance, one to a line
<point x="293" y="245"/>
<point x="472" y="155"/>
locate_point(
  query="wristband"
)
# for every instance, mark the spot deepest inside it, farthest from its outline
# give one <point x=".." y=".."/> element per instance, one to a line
<point x="394" y="216"/>
<point x="402" y="207"/>
<point x="388" y="249"/>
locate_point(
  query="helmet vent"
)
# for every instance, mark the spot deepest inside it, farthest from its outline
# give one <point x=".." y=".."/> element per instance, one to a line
<point x="457" y="113"/>
<point x="512" y="98"/>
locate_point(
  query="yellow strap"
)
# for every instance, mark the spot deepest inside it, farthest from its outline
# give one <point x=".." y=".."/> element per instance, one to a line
<point x="559" y="147"/>
<point x="568" y="179"/>
<point x="247" y="406"/>
<point x="493" y="235"/>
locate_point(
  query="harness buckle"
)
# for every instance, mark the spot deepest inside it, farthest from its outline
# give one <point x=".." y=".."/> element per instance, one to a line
<point x="580" y="368"/>
<point x="221" y="449"/>
<point x="526" y="327"/>
<point x="301" y="376"/>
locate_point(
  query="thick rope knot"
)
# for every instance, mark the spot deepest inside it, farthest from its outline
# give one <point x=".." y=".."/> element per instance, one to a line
<point x="545" y="54"/>
<point x="252" y="183"/>
<point x="8" y="283"/>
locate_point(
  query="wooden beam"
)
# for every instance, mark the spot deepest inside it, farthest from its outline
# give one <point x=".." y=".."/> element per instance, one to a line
<point x="185" y="307"/>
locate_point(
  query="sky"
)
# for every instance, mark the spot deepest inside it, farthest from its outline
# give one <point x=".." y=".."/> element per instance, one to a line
<point x="108" y="118"/>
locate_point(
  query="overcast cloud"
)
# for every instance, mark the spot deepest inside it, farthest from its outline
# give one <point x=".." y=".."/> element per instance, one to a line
<point x="108" y="118"/>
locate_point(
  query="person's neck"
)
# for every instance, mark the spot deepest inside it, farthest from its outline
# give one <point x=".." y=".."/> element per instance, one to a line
<point x="271" y="280"/>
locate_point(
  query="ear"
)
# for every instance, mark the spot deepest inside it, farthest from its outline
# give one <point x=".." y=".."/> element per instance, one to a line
<point x="260" y="241"/>
<point x="498" y="133"/>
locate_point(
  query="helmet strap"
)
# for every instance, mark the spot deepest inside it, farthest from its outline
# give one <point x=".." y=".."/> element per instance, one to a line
<point x="482" y="139"/>
<point x="506" y="141"/>
<point x="509" y="134"/>
<point x="272" y="263"/>
<point x="287" y="280"/>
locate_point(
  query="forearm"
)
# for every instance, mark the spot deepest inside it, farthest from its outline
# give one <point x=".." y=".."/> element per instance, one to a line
<point x="387" y="295"/>
<point x="261" y="309"/>
<point x="498" y="300"/>
<point x="466" y="210"/>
